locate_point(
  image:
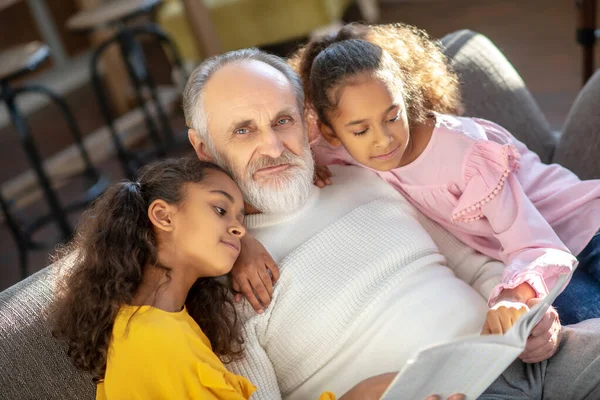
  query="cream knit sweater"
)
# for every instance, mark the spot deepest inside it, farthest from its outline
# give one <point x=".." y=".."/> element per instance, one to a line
<point x="362" y="287"/>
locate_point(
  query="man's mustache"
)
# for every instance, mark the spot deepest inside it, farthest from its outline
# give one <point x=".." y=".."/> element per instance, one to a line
<point x="287" y="157"/>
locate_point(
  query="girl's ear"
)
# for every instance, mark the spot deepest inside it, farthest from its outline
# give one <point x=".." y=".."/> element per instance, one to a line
<point x="160" y="213"/>
<point x="329" y="134"/>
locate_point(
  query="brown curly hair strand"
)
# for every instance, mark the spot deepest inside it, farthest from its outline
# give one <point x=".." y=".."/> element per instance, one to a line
<point x="429" y="84"/>
<point x="102" y="268"/>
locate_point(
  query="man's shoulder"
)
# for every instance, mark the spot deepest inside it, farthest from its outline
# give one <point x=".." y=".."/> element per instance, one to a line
<point x="353" y="180"/>
<point x="354" y="186"/>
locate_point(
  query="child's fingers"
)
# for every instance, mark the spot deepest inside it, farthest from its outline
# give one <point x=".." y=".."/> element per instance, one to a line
<point x="495" y="325"/>
<point x="486" y="329"/>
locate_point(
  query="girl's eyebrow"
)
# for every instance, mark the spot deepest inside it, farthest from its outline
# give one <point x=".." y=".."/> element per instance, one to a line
<point x="360" y="121"/>
<point x="224" y="193"/>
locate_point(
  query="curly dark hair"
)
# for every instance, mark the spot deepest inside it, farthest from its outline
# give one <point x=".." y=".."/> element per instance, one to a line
<point x="102" y="268"/>
<point x="429" y="84"/>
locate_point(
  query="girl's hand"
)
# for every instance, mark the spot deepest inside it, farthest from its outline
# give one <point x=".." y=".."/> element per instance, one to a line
<point x="322" y="175"/>
<point x="502" y="316"/>
<point x="254" y="274"/>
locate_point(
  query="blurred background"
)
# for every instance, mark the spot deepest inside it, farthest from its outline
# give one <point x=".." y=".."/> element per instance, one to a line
<point x="74" y="116"/>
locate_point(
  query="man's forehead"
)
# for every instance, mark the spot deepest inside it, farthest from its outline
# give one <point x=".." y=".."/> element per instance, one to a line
<point x="246" y="85"/>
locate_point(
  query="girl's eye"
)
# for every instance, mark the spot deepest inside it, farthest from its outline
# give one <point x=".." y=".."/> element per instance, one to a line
<point x="220" y="211"/>
<point x="283" y="121"/>
<point x="361" y="132"/>
<point x="396" y="118"/>
<point x="241" y="131"/>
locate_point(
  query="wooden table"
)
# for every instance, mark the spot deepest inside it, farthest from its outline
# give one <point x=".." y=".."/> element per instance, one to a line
<point x="46" y="26"/>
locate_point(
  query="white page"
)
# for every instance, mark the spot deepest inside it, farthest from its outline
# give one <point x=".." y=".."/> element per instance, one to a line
<point x="467" y="365"/>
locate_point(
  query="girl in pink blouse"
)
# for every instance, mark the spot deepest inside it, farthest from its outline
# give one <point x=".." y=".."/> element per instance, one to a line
<point x="390" y="113"/>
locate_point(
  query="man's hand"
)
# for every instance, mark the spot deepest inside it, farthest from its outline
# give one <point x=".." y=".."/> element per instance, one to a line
<point x="545" y="337"/>
<point x="374" y="387"/>
<point x="254" y="274"/>
<point x="456" y="396"/>
<point x="502" y="316"/>
<point x="322" y="175"/>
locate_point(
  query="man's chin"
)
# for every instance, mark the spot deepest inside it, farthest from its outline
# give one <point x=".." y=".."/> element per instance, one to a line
<point x="273" y="183"/>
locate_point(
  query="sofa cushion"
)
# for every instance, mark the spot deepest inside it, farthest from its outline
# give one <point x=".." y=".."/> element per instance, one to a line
<point x="493" y="90"/>
<point x="33" y="364"/>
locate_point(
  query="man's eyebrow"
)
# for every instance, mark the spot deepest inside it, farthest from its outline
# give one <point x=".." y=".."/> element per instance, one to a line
<point x="360" y="121"/>
<point x="285" y="111"/>
<point x="239" y="124"/>
<point x="224" y="193"/>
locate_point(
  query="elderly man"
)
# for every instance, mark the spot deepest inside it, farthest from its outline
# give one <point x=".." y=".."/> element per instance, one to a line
<point x="365" y="279"/>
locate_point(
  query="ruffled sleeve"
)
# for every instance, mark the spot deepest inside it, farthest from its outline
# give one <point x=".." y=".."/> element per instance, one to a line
<point x="224" y="384"/>
<point x="530" y="248"/>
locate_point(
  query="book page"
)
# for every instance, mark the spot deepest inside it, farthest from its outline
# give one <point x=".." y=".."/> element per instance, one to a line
<point x="467" y="365"/>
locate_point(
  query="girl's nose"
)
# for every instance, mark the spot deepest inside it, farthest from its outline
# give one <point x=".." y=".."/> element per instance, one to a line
<point x="381" y="139"/>
<point x="237" y="230"/>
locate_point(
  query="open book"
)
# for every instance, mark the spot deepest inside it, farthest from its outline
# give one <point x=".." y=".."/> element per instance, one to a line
<point x="467" y="365"/>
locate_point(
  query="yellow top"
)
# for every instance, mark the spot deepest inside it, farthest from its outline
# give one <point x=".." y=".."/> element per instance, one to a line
<point x="156" y="354"/>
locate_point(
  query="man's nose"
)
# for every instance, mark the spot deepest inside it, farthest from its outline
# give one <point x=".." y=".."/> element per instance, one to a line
<point x="271" y="144"/>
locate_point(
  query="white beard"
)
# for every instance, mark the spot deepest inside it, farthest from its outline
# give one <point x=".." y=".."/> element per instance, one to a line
<point x="279" y="194"/>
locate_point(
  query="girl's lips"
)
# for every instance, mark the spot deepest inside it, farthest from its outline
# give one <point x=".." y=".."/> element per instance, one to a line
<point x="387" y="156"/>
<point x="231" y="245"/>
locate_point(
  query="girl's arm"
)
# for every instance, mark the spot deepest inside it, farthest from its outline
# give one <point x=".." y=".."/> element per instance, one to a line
<point x="158" y="361"/>
<point x="532" y="251"/>
<point x="254" y="274"/>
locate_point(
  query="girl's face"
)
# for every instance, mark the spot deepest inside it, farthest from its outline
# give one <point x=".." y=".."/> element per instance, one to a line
<point x="370" y="121"/>
<point x="208" y="225"/>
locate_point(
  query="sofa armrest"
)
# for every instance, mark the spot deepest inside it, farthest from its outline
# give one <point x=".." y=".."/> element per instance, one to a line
<point x="33" y="364"/>
<point x="579" y="145"/>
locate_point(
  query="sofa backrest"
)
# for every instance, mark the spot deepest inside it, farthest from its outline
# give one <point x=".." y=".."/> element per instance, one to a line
<point x="32" y="364"/>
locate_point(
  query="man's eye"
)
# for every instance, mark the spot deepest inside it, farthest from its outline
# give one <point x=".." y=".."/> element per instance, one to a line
<point x="241" y="131"/>
<point x="283" y="121"/>
<point x="220" y="211"/>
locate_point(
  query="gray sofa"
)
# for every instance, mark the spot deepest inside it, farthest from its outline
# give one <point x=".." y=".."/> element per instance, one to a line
<point x="34" y="366"/>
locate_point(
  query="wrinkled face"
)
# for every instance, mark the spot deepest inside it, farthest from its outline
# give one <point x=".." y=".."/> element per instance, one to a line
<point x="370" y="121"/>
<point x="257" y="133"/>
<point x="208" y="224"/>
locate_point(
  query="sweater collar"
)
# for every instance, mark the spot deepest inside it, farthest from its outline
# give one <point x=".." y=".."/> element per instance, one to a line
<point x="255" y="221"/>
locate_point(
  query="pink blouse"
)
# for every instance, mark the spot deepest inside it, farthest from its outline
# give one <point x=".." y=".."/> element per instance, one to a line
<point x="483" y="185"/>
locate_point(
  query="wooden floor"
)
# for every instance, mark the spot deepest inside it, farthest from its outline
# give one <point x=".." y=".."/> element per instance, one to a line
<point x="537" y="36"/>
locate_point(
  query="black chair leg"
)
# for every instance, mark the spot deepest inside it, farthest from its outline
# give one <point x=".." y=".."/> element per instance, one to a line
<point x="129" y="162"/>
<point x="36" y="163"/>
<point x="89" y="169"/>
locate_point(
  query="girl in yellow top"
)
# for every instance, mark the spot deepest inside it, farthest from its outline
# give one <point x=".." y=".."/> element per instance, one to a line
<point x="139" y="306"/>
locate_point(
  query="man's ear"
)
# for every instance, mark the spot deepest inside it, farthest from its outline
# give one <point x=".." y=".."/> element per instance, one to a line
<point x="161" y="215"/>
<point x="329" y="134"/>
<point x="198" y="145"/>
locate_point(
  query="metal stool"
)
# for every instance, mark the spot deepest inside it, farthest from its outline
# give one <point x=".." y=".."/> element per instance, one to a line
<point x="14" y="63"/>
<point x="116" y="14"/>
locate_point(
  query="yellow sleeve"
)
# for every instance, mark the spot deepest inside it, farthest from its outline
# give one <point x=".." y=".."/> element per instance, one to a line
<point x="327" y="396"/>
<point x="160" y="363"/>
